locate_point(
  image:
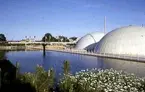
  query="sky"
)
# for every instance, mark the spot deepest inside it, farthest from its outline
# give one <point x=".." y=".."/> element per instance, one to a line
<point x="20" y="18"/>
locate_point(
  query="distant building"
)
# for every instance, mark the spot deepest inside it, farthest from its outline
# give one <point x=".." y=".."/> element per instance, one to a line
<point x="29" y="39"/>
<point x="88" y="41"/>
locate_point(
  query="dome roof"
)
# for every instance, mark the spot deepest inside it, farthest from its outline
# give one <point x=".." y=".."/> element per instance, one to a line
<point x="89" y="39"/>
<point x="126" y="40"/>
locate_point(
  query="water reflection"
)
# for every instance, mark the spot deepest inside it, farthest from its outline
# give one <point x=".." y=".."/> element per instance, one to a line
<point x="137" y="68"/>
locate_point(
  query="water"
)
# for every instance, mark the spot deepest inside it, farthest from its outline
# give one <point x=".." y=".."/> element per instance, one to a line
<point x="29" y="59"/>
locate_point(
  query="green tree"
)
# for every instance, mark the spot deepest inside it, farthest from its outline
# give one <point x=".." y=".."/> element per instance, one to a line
<point x="47" y="37"/>
<point x="63" y="39"/>
<point x="73" y="38"/>
<point x="54" y="39"/>
<point x="2" y="37"/>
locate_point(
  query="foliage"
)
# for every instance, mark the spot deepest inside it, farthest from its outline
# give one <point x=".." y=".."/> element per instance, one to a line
<point x="49" y="38"/>
<point x="73" y="38"/>
<point x="63" y="39"/>
<point x="2" y="37"/>
<point x="2" y="55"/>
<point x="42" y="80"/>
<point x="66" y="73"/>
<point x="67" y="83"/>
<point x="17" y="70"/>
<point x="102" y="81"/>
<point x="51" y="77"/>
<point x="66" y="67"/>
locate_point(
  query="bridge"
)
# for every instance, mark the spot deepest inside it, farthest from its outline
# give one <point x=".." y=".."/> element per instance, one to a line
<point x="40" y="43"/>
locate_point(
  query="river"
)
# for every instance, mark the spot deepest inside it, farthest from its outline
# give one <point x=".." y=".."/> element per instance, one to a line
<point x="29" y="59"/>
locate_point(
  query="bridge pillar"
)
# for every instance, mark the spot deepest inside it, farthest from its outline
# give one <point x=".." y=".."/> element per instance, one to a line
<point x="44" y="44"/>
<point x="44" y="50"/>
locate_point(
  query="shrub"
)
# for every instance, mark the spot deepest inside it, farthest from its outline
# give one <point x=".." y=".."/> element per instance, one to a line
<point x="66" y="67"/>
<point x="42" y="80"/>
<point x="97" y="80"/>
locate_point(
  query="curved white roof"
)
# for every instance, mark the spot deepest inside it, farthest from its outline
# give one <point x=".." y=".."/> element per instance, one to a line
<point x="89" y="39"/>
<point x="126" y="40"/>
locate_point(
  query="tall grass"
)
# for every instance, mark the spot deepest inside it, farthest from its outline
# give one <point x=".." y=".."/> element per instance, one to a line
<point x="42" y="80"/>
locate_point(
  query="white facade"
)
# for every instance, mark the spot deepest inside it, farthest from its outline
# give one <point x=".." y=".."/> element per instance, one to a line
<point x="88" y="40"/>
<point x="128" y="40"/>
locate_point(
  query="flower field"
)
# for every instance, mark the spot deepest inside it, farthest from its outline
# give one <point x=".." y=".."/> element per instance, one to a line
<point x="97" y="80"/>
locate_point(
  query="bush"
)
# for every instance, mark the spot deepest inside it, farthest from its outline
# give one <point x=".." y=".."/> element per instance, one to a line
<point x="97" y="80"/>
<point x="42" y="80"/>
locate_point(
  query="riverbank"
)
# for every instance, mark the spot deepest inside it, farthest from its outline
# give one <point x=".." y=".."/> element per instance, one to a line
<point x="31" y="47"/>
<point x="12" y="48"/>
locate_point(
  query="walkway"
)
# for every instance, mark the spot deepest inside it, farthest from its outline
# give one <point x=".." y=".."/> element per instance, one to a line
<point x="106" y="55"/>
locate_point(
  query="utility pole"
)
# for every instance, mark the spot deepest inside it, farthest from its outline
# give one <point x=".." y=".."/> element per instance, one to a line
<point x="142" y="25"/>
<point x="105" y="25"/>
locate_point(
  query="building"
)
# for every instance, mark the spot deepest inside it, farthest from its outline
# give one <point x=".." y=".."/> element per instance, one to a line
<point x="89" y="41"/>
<point x="129" y="40"/>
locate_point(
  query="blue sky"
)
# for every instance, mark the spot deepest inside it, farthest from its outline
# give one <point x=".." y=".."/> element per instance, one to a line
<point x="20" y="18"/>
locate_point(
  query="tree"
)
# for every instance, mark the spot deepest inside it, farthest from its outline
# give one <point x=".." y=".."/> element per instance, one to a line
<point x="47" y="37"/>
<point x="73" y="38"/>
<point x="54" y="39"/>
<point x="63" y="39"/>
<point x="2" y="37"/>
